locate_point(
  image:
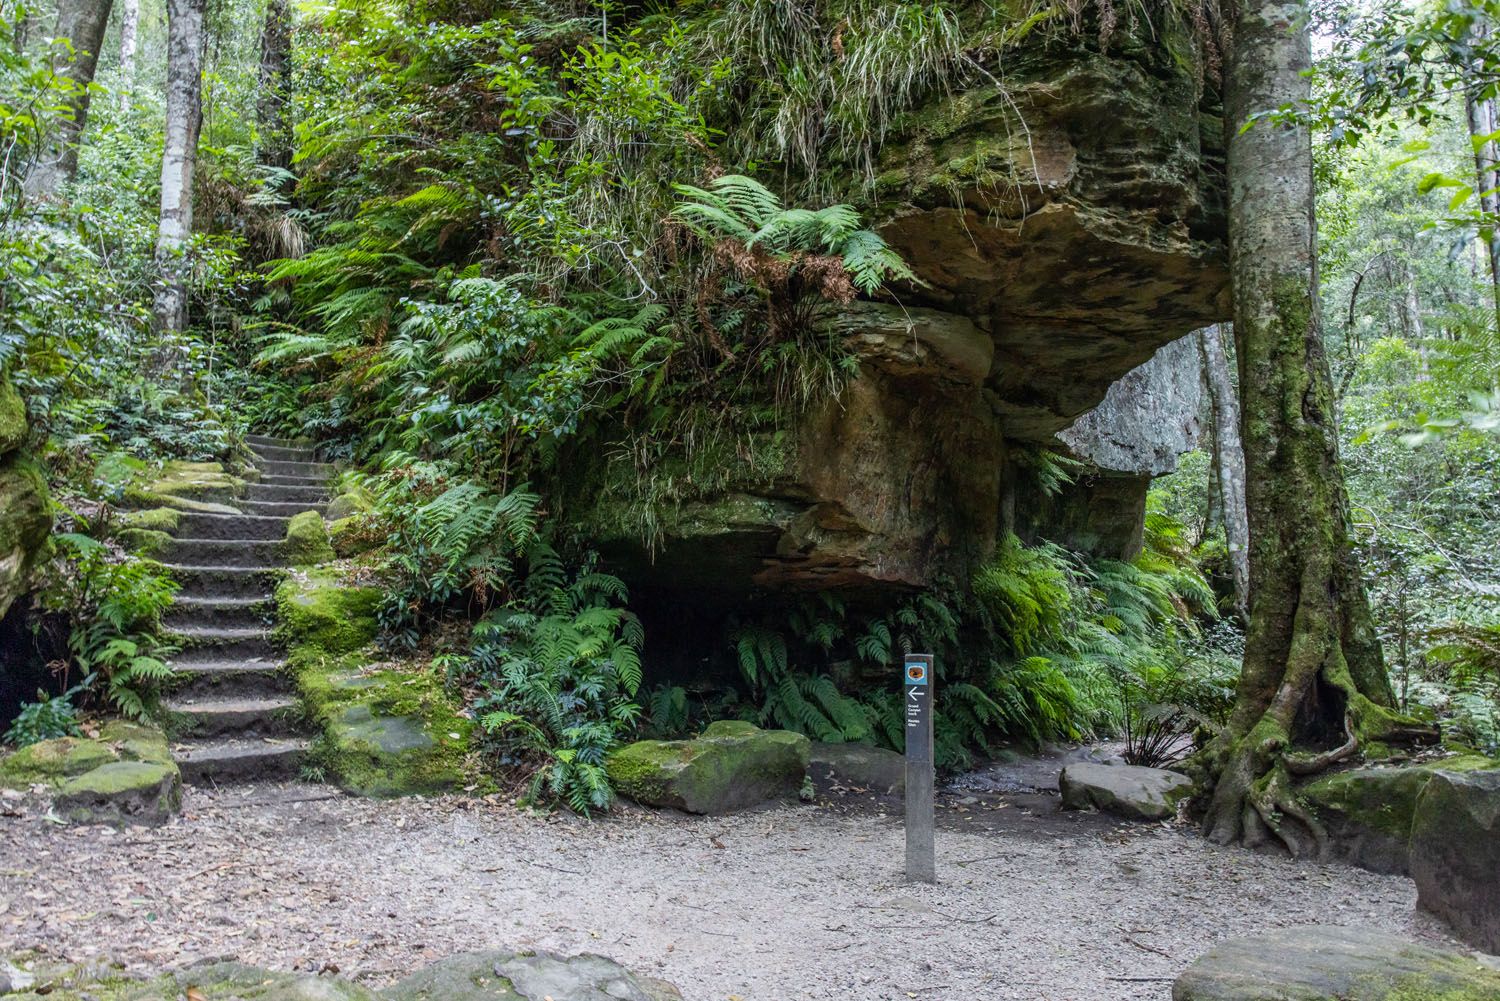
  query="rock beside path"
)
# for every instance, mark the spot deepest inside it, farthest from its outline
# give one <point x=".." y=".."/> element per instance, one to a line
<point x="125" y="775"/>
<point x="1128" y="791"/>
<point x="474" y="976"/>
<point x="1316" y="963"/>
<point x="1455" y="854"/>
<point x="509" y="976"/>
<point x="732" y="766"/>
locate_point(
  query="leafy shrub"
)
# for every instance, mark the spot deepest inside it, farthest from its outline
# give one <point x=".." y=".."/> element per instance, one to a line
<point x="558" y="670"/>
<point x="115" y="604"/>
<point x="47" y="718"/>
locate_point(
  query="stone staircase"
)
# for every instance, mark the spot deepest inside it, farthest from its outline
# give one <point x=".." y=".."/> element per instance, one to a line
<point x="235" y="713"/>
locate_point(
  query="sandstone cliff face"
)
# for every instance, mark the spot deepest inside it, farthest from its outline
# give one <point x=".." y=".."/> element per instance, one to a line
<point x="24" y="517"/>
<point x="1065" y="227"/>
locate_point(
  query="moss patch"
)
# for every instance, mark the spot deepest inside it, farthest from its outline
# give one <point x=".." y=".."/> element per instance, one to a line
<point x="13" y="427"/>
<point x="124" y="775"/>
<point x="306" y="542"/>
<point x="25" y="521"/>
<point x="159" y="519"/>
<point x="388" y="728"/>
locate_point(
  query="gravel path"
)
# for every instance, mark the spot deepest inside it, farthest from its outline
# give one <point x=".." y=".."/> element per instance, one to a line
<point x="788" y="903"/>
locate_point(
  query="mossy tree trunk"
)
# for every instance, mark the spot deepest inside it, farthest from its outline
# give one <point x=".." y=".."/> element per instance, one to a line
<point x="1314" y="683"/>
<point x="82" y="23"/>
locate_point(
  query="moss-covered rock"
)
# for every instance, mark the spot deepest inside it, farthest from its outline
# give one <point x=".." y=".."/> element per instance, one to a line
<point x="731" y="766"/>
<point x="306" y="542"/>
<point x="388" y="729"/>
<point x="511" y="976"/>
<point x="321" y="616"/>
<point x="352" y="499"/>
<point x="125" y="775"/>
<point x="184" y="486"/>
<point x="25" y="522"/>
<point x="1369" y="811"/>
<point x="143" y="541"/>
<point x="1315" y="963"/>
<point x="13" y="426"/>
<point x="157" y="519"/>
<point x="1455" y="853"/>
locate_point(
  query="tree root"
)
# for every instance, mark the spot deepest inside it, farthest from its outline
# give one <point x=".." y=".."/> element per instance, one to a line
<point x="1312" y="764"/>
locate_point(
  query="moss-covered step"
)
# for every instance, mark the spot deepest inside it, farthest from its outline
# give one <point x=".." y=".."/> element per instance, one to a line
<point x="186" y="486"/>
<point x="1317" y="963"/>
<point x="732" y="766"/>
<point x="386" y="728"/>
<point x="125" y="775"/>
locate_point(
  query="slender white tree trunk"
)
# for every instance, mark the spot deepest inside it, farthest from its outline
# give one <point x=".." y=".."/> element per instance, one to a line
<point x="82" y="22"/>
<point x="130" y="20"/>
<point x="1229" y="461"/>
<point x="1480" y="111"/>
<point x="179" y="155"/>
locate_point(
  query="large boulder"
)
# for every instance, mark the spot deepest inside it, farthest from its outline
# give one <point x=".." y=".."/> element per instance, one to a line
<point x="731" y="766"/>
<point x="542" y="976"/>
<point x="1128" y="791"/>
<point x="1316" y="963"/>
<point x="1455" y="854"/>
<point x="1369" y="811"/>
<point x="125" y="775"/>
<point x="306" y="542"/>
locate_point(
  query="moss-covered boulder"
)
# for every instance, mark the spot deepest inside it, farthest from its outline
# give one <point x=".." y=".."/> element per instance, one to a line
<point x="388" y="728"/>
<point x="479" y="976"/>
<point x="25" y="522"/>
<point x="1369" y="811"/>
<point x="731" y="766"/>
<point x="1455" y="854"/>
<point x="531" y="976"/>
<point x="322" y="616"/>
<point x="857" y="768"/>
<point x="306" y="542"/>
<point x="1315" y="963"/>
<point x="125" y="775"/>
<point x="352" y="499"/>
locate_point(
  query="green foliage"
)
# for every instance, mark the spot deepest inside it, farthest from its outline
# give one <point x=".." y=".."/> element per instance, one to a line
<point x="47" y="718"/>
<point x="559" y="668"/>
<point x="115" y="605"/>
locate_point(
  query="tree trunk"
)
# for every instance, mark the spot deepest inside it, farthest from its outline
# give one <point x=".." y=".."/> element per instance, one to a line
<point x="275" y="80"/>
<point x="1482" y="122"/>
<point x="82" y="22"/>
<point x="179" y="155"/>
<point x="1229" y="461"/>
<point x="1314" y="684"/>
<point x="130" y="20"/>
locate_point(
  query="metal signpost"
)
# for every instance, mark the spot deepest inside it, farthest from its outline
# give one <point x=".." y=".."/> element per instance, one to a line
<point x="921" y="864"/>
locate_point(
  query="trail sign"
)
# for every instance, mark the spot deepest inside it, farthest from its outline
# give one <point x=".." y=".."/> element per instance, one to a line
<point x="917" y="688"/>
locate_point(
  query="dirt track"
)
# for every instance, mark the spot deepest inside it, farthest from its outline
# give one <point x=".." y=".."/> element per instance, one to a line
<point x="787" y="903"/>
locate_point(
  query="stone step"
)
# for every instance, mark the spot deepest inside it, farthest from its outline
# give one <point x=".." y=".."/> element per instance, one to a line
<point x="220" y="715"/>
<point x="200" y="677"/>
<point x="280" y="453"/>
<point x="277" y="467"/>
<point x="264" y="553"/>
<point x="281" y="509"/>
<point x="232" y="526"/>
<point x="227" y="643"/>
<point x="219" y="612"/>
<point x="223" y="581"/>
<point x="308" y="493"/>
<point x="237" y="759"/>
<point x="266" y="441"/>
<point x="280" y="480"/>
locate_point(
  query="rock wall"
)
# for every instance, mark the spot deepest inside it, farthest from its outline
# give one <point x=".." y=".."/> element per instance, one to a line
<point x="25" y="520"/>
<point x="1064" y="229"/>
